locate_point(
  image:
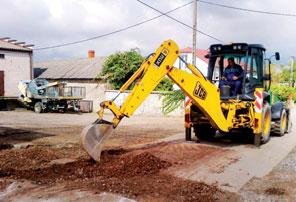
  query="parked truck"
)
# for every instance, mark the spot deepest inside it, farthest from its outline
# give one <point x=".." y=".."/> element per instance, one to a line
<point x="43" y="96"/>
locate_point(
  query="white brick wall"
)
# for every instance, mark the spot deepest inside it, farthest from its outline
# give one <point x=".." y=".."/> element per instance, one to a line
<point x="16" y="67"/>
<point x="151" y="106"/>
<point x="93" y="91"/>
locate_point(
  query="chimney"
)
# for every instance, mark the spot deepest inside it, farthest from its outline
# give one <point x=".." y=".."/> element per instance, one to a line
<point x="91" y="54"/>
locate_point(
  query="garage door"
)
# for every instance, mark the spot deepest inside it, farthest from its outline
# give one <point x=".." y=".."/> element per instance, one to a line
<point x="1" y="83"/>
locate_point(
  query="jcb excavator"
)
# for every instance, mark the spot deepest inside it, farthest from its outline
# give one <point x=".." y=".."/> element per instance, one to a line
<point x="209" y="109"/>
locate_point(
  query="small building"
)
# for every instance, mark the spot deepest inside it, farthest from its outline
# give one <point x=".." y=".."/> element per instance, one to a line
<point x="15" y="65"/>
<point x="76" y="72"/>
<point x="201" y="60"/>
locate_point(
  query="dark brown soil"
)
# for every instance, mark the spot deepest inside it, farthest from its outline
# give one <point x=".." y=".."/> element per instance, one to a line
<point x="138" y="175"/>
<point x="275" y="191"/>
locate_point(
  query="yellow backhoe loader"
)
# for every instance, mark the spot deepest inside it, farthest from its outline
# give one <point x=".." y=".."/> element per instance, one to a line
<point x="209" y="110"/>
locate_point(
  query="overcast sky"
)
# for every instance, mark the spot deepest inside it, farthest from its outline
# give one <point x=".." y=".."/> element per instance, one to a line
<point x="52" y="22"/>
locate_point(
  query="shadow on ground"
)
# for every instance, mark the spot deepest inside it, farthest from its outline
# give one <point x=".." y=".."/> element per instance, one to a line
<point x="233" y="139"/>
<point x="14" y="135"/>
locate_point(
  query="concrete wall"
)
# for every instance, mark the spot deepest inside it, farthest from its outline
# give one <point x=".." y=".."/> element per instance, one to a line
<point x="98" y="93"/>
<point x="94" y="91"/>
<point x="151" y="106"/>
<point x="16" y="67"/>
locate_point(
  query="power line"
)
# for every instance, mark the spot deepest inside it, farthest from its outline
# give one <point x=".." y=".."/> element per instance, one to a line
<point x="113" y="32"/>
<point x="186" y="25"/>
<point x="248" y="10"/>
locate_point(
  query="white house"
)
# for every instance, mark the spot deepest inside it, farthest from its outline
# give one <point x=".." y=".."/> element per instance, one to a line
<point x="76" y="72"/>
<point x="15" y="65"/>
<point x="201" y="61"/>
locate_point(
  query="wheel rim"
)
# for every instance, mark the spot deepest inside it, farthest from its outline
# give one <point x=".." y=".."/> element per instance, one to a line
<point x="284" y="122"/>
<point x="38" y="108"/>
<point x="266" y="123"/>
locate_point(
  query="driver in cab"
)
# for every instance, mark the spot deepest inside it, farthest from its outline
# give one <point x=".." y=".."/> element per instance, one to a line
<point x="232" y="76"/>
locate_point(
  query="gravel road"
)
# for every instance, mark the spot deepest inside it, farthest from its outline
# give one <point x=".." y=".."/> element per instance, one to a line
<point x="47" y="156"/>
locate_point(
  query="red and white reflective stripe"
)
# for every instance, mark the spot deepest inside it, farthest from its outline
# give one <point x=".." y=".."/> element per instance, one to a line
<point x="187" y="101"/>
<point x="258" y="101"/>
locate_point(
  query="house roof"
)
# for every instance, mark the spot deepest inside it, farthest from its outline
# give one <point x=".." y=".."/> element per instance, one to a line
<point x="5" y="45"/>
<point x="86" y="68"/>
<point x="200" y="53"/>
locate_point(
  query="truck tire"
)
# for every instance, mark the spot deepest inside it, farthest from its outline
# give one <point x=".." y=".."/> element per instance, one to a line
<point x="280" y="126"/>
<point x="38" y="107"/>
<point x="264" y="136"/>
<point x="204" y="132"/>
<point x="289" y="122"/>
<point x="188" y="134"/>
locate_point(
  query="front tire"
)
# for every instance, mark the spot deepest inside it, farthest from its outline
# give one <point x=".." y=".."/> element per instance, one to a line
<point x="38" y="107"/>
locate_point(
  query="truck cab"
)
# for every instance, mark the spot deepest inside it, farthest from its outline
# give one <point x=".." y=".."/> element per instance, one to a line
<point x="256" y="70"/>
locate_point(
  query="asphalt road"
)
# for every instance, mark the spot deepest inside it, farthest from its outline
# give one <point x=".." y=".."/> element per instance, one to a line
<point x="242" y="162"/>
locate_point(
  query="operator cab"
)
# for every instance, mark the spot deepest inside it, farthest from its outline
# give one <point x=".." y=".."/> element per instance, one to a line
<point x="251" y="57"/>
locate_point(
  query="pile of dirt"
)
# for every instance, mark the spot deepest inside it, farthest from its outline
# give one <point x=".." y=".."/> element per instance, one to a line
<point x="134" y="165"/>
<point x="275" y="191"/>
<point x="5" y="146"/>
<point x="35" y="157"/>
<point x="138" y="175"/>
<point x="24" y="159"/>
<point x="34" y="164"/>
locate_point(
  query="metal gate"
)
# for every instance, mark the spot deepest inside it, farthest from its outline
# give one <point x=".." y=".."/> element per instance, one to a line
<point x="1" y="83"/>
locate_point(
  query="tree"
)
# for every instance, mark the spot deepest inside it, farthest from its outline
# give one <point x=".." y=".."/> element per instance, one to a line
<point x="119" y="67"/>
<point x="286" y="73"/>
<point x="275" y="74"/>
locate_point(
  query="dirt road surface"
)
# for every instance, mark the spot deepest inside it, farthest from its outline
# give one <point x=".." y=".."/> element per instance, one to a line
<point x="146" y="159"/>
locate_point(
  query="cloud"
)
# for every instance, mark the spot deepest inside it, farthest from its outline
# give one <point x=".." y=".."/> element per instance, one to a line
<point x="51" y="22"/>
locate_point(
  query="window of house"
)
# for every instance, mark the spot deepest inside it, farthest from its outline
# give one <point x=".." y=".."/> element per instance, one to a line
<point x="2" y="56"/>
<point x="181" y="64"/>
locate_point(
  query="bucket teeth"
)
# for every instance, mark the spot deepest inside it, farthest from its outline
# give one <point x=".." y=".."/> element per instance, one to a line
<point x="93" y="138"/>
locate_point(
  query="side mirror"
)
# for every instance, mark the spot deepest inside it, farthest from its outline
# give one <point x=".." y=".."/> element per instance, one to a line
<point x="266" y="78"/>
<point x="277" y="56"/>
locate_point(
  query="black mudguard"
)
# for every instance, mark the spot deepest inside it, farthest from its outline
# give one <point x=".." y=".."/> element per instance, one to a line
<point x="276" y="111"/>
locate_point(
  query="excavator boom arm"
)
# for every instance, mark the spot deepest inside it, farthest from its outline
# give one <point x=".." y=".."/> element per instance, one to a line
<point x="205" y="94"/>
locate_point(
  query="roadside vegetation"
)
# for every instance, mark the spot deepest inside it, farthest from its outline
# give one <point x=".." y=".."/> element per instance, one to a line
<point x="119" y="67"/>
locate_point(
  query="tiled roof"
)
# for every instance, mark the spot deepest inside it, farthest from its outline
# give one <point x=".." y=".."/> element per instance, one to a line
<point x="87" y="68"/>
<point x="200" y="53"/>
<point x="4" y="45"/>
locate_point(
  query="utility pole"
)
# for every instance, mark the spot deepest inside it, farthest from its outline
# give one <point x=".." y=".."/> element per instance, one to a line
<point x="291" y="72"/>
<point x="194" y="32"/>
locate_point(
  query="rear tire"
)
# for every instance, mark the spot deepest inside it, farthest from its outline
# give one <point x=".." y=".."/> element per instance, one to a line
<point x="188" y="134"/>
<point x="204" y="132"/>
<point x="289" y="122"/>
<point x="280" y="127"/>
<point x="38" y="107"/>
<point x="264" y="136"/>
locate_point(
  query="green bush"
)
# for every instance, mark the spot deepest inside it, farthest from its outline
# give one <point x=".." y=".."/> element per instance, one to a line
<point x="165" y="85"/>
<point x="172" y="100"/>
<point x="282" y="92"/>
<point x="119" y="67"/>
